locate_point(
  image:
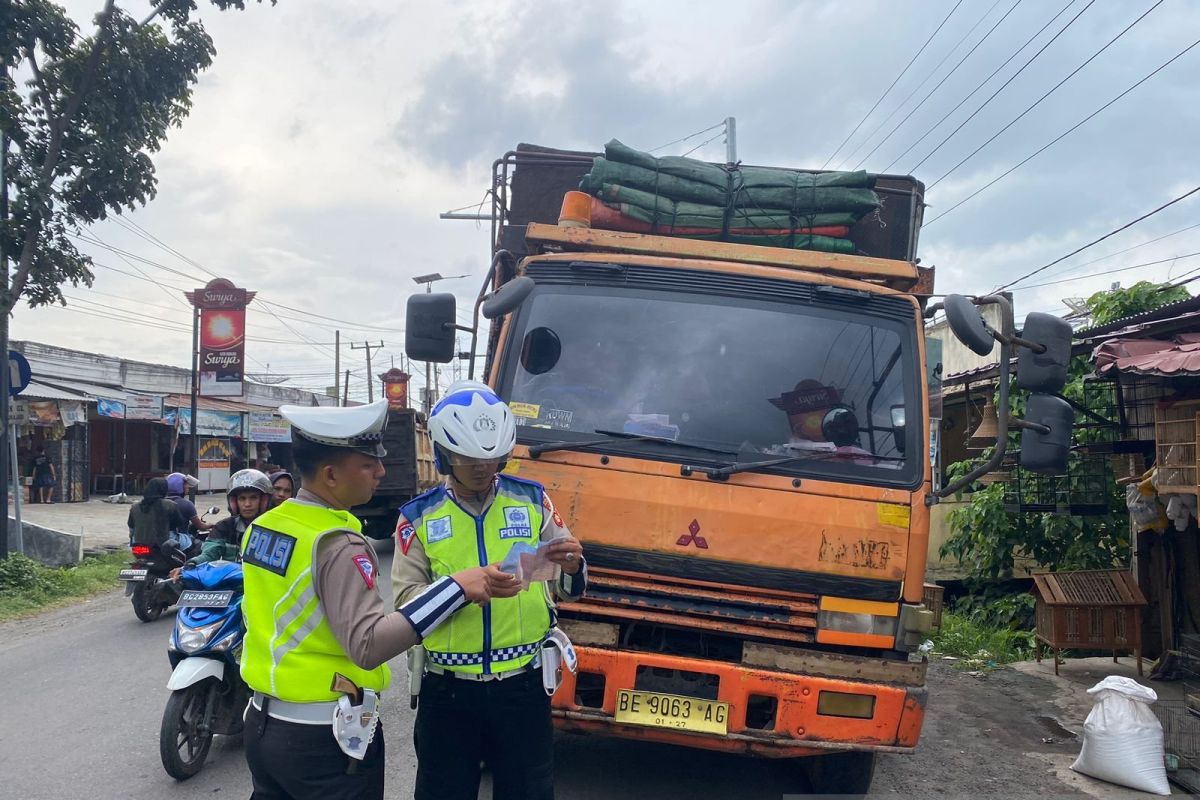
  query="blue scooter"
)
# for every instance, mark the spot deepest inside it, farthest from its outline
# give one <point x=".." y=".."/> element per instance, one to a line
<point x="208" y="694"/>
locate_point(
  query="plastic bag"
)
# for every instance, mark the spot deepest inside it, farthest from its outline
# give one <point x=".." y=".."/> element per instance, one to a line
<point x="530" y="564"/>
<point x="1122" y="739"/>
<point x="1145" y="510"/>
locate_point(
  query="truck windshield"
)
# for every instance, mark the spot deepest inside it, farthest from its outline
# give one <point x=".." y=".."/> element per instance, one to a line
<point x="826" y="383"/>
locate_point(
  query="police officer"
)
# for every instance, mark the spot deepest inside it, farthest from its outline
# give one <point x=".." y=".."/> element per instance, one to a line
<point x="482" y="697"/>
<point x="318" y="634"/>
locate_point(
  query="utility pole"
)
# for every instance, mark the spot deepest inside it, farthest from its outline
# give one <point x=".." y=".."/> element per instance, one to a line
<point x="370" y="378"/>
<point x="5" y="376"/>
<point x="730" y="140"/>
<point x="337" y="362"/>
<point x="346" y="391"/>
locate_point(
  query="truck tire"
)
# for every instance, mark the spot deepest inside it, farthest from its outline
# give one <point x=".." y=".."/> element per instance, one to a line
<point x="846" y="773"/>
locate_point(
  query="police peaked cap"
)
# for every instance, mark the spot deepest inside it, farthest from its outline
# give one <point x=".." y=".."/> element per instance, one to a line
<point x="358" y="428"/>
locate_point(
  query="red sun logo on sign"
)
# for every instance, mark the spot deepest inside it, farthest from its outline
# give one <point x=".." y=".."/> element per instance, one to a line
<point x="693" y="536"/>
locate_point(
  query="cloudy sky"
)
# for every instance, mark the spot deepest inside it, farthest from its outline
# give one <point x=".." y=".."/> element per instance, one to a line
<point x="323" y="144"/>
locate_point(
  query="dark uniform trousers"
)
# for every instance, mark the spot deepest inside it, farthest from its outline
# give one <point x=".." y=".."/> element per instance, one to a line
<point x="291" y="761"/>
<point x="503" y="722"/>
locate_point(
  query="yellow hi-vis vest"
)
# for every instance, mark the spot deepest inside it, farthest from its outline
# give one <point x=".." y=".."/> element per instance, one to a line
<point x="507" y="633"/>
<point x="290" y="651"/>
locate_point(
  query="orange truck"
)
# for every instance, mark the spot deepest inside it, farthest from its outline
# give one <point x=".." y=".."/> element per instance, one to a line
<point x="740" y="437"/>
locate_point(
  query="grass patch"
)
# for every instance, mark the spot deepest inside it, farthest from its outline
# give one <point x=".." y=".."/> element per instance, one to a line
<point x="978" y="646"/>
<point x="26" y="586"/>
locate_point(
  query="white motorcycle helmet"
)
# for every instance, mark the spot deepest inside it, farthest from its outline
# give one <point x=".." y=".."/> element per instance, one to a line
<point x="473" y="421"/>
<point x="253" y="479"/>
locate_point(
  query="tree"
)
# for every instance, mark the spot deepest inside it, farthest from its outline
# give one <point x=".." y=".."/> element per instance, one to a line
<point x="83" y="125"/>
<point x="81" y="114"/>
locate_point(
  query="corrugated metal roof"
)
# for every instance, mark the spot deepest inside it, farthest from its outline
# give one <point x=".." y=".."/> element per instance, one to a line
<point x="40" y="391"/>
<point x="1161" y="313"/>
<point x="89" y="389"/>
<point x="212" y="404"/>
<point x="1175" y="357"/>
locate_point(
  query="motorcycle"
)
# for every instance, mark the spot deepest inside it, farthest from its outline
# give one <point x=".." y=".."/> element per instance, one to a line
<point x="208" y="694"/>
<point x="147" y="580"/>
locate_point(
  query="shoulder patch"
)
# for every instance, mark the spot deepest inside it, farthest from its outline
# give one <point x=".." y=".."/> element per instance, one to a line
<point x="366" y="568"/>
<point x="269" y="550"/>
<point x="404" y="533"/>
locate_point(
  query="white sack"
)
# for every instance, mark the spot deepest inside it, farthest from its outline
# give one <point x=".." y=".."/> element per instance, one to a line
<point x="1122" y="739"/>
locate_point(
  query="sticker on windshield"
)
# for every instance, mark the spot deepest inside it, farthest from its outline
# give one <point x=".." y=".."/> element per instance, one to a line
<point x="527" y="410"/>
<point x="557" y="418"/>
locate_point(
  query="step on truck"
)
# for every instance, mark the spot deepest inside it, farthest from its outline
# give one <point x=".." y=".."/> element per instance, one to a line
<point x="740" y="437"/>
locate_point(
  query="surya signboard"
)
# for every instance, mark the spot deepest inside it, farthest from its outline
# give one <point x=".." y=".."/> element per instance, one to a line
<point x="222" y="337"/>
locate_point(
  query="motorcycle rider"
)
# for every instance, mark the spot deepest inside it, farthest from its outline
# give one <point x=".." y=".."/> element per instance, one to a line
<point x="284" y="486"/>
<point x="177" y="484"/>
<point x="249" y="496"/>
<point x="154" y="518"/>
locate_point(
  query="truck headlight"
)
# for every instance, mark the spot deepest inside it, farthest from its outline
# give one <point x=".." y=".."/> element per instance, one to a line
<point x="857" y="623"/>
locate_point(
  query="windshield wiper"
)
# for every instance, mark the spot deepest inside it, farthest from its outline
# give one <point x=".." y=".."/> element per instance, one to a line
<point x="550" y="447"/>
<point x="721" y="473"/>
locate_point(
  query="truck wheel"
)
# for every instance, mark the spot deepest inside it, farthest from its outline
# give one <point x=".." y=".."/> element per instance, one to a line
<point x="846" y="773"/>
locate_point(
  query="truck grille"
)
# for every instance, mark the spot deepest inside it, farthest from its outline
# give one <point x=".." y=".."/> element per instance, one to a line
<point x="762" y="614"/>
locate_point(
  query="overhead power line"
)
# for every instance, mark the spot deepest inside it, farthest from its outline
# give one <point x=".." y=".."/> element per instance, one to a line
<point x="720" y="124"/>
<point x="1063" y="135"/>
<point x="892" y="85"/>
<point x="866" y="140"/>
<point x="1052" y="90"/>
<point x="1128" y="249"/>
<point x="896" y="128"/>
<point x="1095" y="242"/>
<point x="981" y="84"/>
<point x="1105" y="272"/>
<point x="1003" y="86"/>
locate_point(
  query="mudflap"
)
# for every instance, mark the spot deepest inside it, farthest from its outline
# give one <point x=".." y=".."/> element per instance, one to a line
<point x="129" y="586"/>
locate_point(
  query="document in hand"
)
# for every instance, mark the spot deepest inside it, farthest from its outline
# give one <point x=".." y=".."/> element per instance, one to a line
<point x="530" y="564"/>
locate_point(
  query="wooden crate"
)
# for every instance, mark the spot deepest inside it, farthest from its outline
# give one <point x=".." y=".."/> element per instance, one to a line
<point x="934" y="602"/>
<point x="1098" y="609"/>
<point x="1175" y="446"/>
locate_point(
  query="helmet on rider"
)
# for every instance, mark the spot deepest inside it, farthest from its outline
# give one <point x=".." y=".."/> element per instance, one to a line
<point x="471" y="425"/>
<point x="177" y="483"/>
<point x="244" y="482"/>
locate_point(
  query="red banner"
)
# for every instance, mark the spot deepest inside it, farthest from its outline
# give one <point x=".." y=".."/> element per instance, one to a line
<point x="222" y="337"/>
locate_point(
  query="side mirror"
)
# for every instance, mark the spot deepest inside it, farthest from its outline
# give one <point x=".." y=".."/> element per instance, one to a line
<point x="214" y="510"/>
<point x="507" y="298"/>
<point x="1045" y="371"/>
<point x="429" y="328"/>
<point x="968" y="325"/>
<point x="1046" y="451"/>
<point x="898" y="429"/>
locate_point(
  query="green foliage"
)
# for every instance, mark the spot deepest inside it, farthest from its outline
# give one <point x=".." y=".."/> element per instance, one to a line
<point x="1143" y="296"/>
<point x="27" y="586"/>
<point x="19" y="573"/>
<point x="978" y="646"/>
<point x="83" y="128"/>
<point x="988" y="540"/>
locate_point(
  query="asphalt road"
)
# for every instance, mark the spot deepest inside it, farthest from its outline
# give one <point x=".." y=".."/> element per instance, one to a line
<point x="82" y="691"/>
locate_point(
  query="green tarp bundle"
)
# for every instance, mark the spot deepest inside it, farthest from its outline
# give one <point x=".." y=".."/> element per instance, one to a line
<point x="686" y="192"/>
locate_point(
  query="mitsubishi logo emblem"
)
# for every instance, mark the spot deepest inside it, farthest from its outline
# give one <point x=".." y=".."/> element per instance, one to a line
<point x="693" y="536"/>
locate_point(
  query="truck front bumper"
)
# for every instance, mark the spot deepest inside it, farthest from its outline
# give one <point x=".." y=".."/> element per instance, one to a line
<point x="797" y="728"/>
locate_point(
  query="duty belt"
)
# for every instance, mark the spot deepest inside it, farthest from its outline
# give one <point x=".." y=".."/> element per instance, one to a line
<point x="303" y="713"/>
<point x="435" y="669"/>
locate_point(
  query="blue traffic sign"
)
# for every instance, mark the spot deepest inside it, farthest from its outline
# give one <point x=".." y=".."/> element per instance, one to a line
<point x="19" y="373"/>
